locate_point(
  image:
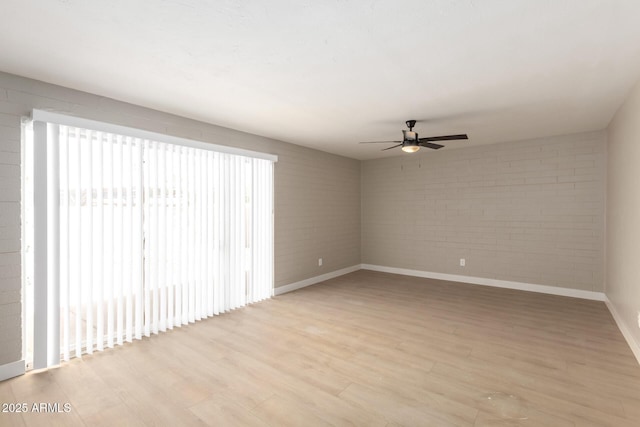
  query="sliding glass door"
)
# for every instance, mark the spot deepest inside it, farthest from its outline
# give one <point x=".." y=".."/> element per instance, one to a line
<point x="140" y="235"/>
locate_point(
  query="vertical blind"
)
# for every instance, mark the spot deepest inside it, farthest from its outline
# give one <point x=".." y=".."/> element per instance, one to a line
<point x="149" y="235"/>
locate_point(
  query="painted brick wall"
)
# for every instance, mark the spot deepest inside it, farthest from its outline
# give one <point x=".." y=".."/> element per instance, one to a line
<point x="10" y="267"/>
<point x="623" y="217"/>
<point x="317" y="195"/>
<point x="529" y="211"/>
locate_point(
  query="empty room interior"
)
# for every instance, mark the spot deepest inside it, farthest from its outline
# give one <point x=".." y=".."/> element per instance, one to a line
<point x="367" y="213"/>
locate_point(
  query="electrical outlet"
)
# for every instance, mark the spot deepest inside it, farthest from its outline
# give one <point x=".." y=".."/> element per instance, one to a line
<point x="463" y="262"/>
<point x="639" y="319"/>
<point x="319" y="262"/>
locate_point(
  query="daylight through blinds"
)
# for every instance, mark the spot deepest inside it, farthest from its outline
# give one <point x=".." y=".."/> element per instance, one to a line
<point x="149" y="235"/>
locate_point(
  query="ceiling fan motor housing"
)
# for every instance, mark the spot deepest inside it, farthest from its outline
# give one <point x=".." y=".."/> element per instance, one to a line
<point x="410" y="135"/>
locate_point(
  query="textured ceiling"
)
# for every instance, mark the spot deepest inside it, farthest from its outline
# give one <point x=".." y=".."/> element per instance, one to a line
<point x="327" y="74"/>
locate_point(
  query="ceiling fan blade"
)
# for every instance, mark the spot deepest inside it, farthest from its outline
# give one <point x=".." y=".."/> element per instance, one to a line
<point x="430" y="145"/>
<point x="379" y="142"/>
<point x="444" y="138"/>
<point x="395" y="146"/>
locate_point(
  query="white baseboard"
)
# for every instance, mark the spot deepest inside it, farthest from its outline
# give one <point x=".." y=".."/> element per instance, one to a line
<point x="633" y="344"/>
<point x="11" y="370"/>
<point x="313" y="280"/>
<point x="544" y="289"/>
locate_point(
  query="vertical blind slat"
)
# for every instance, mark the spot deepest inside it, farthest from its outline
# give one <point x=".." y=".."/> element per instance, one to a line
<point x="197" y="216"/>
<point x="65" y="278"/>
<point x="120" y="242"/>
<point x="175" y="231"/>
<point x="154" y="244"/>
<point x="109" y="240"/>
<point x="78" y="247"/>
<point x="138" y="228"/>
<point x="147" y="241"/>
<point x="130" y="276"/>
<point x="169" y="235"/>
<point x="210" y="233"/>
<point x="217" y="292"/>
<point x="87" y="235"/>
<point x="162" y="240"/>
<point x="99" y="227"/>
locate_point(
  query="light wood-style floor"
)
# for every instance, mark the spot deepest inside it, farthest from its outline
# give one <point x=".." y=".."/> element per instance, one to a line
<point x="366" y="349"/>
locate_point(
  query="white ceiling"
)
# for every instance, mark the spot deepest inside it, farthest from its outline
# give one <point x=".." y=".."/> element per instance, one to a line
<point x="327" y="74"/>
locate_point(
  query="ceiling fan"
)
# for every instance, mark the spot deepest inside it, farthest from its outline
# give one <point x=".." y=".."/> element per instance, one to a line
<point x="411" y="143"/>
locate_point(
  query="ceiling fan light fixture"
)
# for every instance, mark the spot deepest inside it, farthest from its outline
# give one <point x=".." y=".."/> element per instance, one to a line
<point x="407" y="148"/>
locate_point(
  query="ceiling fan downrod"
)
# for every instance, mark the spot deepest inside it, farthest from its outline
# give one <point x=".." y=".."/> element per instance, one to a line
<point x="410" y="124"/>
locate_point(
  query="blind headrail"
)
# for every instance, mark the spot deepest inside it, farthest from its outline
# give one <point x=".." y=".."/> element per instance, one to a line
<point x="80" y="122"/>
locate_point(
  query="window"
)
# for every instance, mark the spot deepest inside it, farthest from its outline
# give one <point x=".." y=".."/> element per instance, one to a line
<point x="136" y="233"/>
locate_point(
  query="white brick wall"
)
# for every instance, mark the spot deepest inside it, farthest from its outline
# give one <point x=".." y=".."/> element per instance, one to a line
<point x="10" y="301"/>
<point x="317" y="195"/>
<point x="530" y="211"/>
<point x="623" y="218"/>
<point x="318" y="216"/>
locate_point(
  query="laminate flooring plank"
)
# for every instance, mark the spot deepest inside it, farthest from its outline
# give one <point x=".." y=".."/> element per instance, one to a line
<point x="222" y="410"/>
<point x="492" y="379"/>
<point x="12" y="416"/>
<point x="401" y="410"/>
